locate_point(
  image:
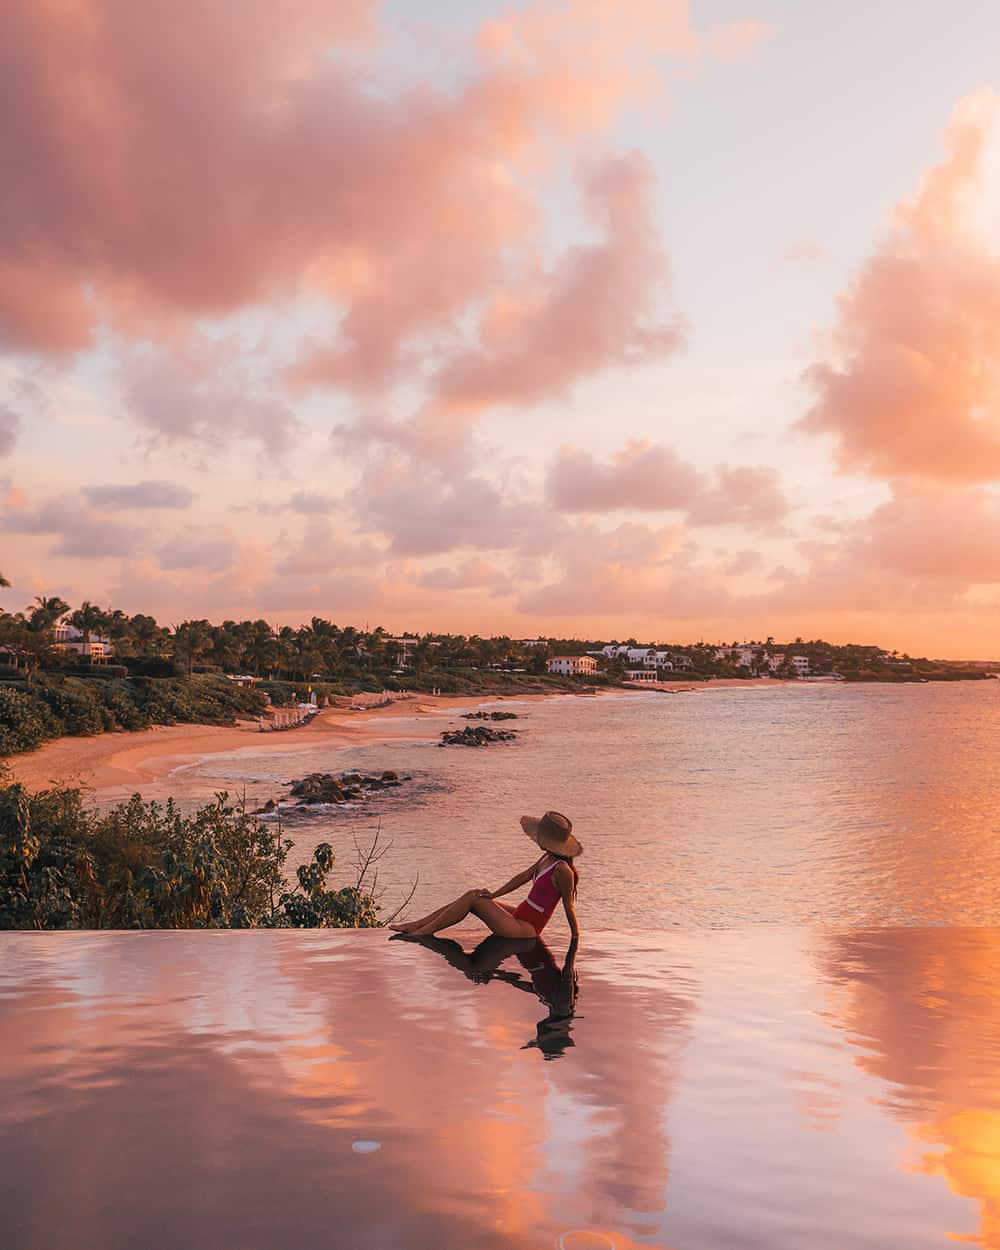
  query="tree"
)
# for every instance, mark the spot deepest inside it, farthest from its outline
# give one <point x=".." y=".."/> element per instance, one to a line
<point x="261" y="651"/>
<point x="31" y="648"/>
<point x="192" y="642"/>
<point x="137" y="635"/>
<point x="47" y="612"/>
<point x="88" y="619"/>
<point x="4" y="583"/>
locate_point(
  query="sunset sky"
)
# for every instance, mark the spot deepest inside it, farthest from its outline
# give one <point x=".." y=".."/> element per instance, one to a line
<point x="595" y="317"/>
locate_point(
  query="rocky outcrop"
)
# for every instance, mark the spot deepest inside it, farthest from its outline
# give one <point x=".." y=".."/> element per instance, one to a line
<point x="475" y="736"/>
<point x="327" y="788"/>
<point x="489" y="715"/>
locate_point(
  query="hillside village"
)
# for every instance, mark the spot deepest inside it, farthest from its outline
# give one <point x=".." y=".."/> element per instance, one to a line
<point x="811" y="661"/>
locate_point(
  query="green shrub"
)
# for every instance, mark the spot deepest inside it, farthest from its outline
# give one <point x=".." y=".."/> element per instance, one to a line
<point x="73" y="703"/>
<point x="142" y="666"/>
<point x="25" y="722"/>
<point x="103" y="672"/>
<point x="56" y="704"/>
<point x="145" y="866"/>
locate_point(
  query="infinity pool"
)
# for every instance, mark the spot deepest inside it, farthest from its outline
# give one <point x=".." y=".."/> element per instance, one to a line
<point x="770" y="1088"/>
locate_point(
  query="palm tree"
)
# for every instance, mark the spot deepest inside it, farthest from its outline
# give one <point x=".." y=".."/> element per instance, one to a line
<point x="47" y="611"/>
<point x="149" y="637"/>
<point x="192" y="641"/>
<point x="30" y="647"/>
<point x="88" y="619"/>
<point x="260" y="651"/>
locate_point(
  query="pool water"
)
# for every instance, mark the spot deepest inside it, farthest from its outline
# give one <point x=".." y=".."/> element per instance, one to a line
<point x="775" y="1087"/>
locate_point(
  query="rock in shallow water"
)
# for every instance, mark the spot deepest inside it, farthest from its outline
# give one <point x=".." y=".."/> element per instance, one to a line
<point x="475" y="736"/>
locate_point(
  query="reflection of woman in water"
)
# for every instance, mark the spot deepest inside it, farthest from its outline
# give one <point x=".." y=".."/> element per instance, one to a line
<point x="556" y="987"/>
<point x="553" y="878"/>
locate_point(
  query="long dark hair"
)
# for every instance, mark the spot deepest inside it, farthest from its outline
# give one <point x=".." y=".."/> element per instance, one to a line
<point x="568" y="859"/>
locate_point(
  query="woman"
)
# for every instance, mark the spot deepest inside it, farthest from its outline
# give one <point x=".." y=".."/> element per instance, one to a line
<point x="553" y="878"/>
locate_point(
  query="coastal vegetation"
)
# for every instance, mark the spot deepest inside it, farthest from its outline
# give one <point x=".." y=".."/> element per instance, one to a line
<point x="89" y="670"/>
<point x="146" y="866"/>
<point x="56" y="704"/>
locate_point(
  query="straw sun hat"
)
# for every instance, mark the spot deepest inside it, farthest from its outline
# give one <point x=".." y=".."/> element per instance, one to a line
<point x="553" y="832"/>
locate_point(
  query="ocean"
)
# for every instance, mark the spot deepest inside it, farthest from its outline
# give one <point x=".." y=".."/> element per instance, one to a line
<point x="833" y="805"/>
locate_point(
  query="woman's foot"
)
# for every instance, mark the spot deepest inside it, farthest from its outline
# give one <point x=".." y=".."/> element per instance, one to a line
<point x="404" y="926"/>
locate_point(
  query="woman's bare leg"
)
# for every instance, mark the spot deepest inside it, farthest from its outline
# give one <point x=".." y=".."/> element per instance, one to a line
<point x="445" y="917"/>
<point x="411" y="926"/>
<point x="491" y="913"/>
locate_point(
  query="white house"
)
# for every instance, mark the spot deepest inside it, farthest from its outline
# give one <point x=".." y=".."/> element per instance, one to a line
<point x="572" y="665"/>
<point x="69" y="638"/>
<point x="743" y="655"/>
<point x="775" y="661"/>
<point x="800" y="663"/>
<point x="646" y="675"/>
<point x="648" y="657"/>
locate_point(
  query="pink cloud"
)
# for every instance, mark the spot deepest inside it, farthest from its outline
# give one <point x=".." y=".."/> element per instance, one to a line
<point x="913" y="388"/>
<point x="471" y="574"/>
<point x="938" y="538"/>
<point x="632" y="571"/>
<point x="748" y="495"/>
<point x="323" y="550"/>
<point x="645" y="477"/>
<point x="642" y="477"/>
<point x="177" y="402"/>
<point x="145" y="494"/>
<point x="595" y="308"/>
<point x="172" y="164"/>
<point x="194" y="549"/>
<point x="424" y="511"/>
<point x="78" y="531"/>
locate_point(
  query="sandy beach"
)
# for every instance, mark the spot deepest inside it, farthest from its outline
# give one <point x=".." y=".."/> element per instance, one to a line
<point x="118" y="764"/>
<point x="115" y="765"/>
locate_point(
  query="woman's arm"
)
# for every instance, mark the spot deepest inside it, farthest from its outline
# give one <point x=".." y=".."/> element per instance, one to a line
<point x="514" y="882"/>
<point x="565" y="879"/>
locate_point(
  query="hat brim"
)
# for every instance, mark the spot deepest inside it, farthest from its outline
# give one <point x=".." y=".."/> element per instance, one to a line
<point x="568" y="846"/>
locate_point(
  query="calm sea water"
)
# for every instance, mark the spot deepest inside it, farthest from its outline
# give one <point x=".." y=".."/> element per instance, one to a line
<point x="838" y="805"/>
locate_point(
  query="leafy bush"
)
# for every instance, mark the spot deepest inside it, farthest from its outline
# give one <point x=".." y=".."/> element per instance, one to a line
<point x="25" y="721"/>
<point x="75" y="704"/>
<point x="102" y="672"/>
<point x="152" y="666"/>
<point x="56" y="704"/>
<point x="145" y="866"/>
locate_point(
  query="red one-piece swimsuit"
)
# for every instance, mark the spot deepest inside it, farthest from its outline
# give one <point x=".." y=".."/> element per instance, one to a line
<point x="542" y="898"/>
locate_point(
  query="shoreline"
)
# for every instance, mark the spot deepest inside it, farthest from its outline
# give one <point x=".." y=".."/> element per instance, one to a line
<point x="114" y="766"/>
<point x="111" y="767"/>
